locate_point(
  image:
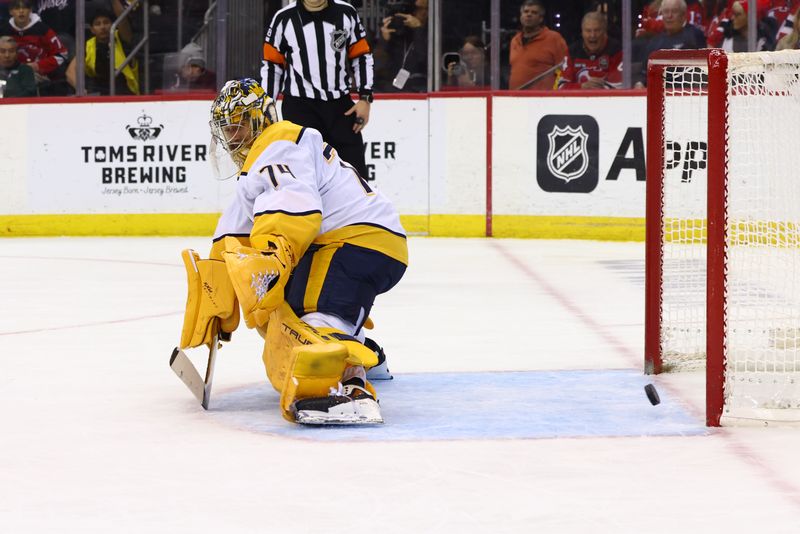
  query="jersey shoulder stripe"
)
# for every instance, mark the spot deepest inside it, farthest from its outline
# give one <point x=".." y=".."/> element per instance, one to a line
<point x="284" y="212"/>
<point x="398" y="234"/>
<point x="373" y="237"/>
<point x="223" y="236"/>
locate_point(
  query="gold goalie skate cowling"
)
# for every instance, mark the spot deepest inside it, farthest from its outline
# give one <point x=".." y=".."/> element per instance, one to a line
<point x="302" y="361"/>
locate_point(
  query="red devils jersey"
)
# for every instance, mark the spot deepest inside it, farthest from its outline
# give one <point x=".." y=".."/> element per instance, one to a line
<point x="784" y="18"/>
<point x="580" y="66"/>
<point x="36" y="42"/>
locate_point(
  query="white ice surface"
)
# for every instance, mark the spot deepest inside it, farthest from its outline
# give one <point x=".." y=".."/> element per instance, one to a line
<point x="98" y="435"/>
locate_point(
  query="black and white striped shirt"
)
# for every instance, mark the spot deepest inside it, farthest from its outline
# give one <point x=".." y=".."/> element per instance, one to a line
<point x="306" y="53"/>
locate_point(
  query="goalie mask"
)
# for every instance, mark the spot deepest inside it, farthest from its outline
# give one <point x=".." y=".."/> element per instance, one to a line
<point x="239" y="114"/>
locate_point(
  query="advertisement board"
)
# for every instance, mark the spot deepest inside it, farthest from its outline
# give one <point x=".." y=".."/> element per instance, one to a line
<point x="154" y="157"/>
<point x="571" y="156"/>
<point x="143" y="157"/>
<point x="458" y="164"/>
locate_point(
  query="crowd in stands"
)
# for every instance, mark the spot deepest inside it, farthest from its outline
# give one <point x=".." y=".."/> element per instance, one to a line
<point x="43" y="35"/>
<point x="37" y="42"/>
<point x="594" y="61"/>
<point x="38" y="45"/>
<point x="96" y="59"/>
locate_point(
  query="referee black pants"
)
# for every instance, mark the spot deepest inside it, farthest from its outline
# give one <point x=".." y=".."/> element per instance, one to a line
<point x="328" y="116"/>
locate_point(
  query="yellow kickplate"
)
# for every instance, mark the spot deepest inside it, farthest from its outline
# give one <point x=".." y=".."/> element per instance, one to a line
<point x="319" y="360"/>
<point x="314" y="370"/>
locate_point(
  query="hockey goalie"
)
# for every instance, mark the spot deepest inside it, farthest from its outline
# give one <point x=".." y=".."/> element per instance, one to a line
<point x="303" y="249"/>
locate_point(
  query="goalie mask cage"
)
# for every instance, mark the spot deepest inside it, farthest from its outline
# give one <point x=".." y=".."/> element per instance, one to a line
<point x="723" y="228"/>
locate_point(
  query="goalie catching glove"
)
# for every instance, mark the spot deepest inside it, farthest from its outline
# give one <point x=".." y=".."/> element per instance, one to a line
<point x="211" y="306"/>
<point x="259" y="277"/>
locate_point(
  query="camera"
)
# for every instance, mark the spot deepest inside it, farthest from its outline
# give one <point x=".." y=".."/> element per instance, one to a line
<point x="394" y="7"/>
<point x="451" y="58"/>
<point x="397" y="23"/>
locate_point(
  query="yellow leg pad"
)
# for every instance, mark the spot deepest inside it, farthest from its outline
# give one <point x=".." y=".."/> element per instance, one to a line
<point x="360" y="354"/>
<point x="285" y="331"/>
<point x="302" y="361"/>
<point x="314" y="370"/>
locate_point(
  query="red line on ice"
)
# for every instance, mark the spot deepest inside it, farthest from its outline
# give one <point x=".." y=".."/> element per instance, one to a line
<point x="84" y="325"/>
<point x="744" y="452"/>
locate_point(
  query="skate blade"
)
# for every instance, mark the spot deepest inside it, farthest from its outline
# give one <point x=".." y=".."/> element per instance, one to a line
<point x="379" y="372"/>
<point x="364" y="412"/>
<point x="313" y="419"/>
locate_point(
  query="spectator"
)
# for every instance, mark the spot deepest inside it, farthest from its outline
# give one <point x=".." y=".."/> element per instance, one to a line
<point x="468" y="69"/>
<point x="38" y="45"/>
<point x="651" y="22"/>
<point x="536" y="51"/>
<point x="97" y="61"/>
<point x="16" y="79"/>
<point x="193" y="76"/>
<point x="595" y="61"/>
<point x="677" y="34"/>
<point x="791" y="41"/>
<point x="715" y="32"/>
<point x="402" y="50"/>
<point x="769" y="21"/>
<point x="736" y="33"/>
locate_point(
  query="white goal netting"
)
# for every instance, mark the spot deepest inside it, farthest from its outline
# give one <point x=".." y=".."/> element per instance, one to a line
<point x="762" y="248"/>
<point x="683" y="291"/>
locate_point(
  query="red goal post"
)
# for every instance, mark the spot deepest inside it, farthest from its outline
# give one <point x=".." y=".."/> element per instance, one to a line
<point x="723" y="228"/>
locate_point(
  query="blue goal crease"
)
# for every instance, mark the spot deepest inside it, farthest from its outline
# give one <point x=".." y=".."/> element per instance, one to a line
<point x="484" y="405"/>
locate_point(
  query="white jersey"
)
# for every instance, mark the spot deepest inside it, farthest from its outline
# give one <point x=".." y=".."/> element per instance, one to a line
<point x="295" y="186"/>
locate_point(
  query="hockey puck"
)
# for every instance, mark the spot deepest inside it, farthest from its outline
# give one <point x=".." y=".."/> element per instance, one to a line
<point x="652" y="394"/>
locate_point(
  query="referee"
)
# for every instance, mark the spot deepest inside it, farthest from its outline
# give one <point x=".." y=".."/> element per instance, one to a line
<point x="306" y="54"/>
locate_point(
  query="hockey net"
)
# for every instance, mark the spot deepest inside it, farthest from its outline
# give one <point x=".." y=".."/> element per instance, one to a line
<point x="723" y="228"/>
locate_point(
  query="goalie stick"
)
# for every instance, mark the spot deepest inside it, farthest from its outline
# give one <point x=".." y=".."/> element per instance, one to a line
<point x="186" y="371"/>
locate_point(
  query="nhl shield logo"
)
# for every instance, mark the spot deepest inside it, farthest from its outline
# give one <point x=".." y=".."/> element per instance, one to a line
<point x="567" y="157"/>
<point x="567" y="153"/>
<point x="338" y="39"/>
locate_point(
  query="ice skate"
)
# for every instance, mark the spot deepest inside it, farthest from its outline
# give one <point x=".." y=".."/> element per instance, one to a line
<point x="380" y="371"/>
<point x="349" y="404"/>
